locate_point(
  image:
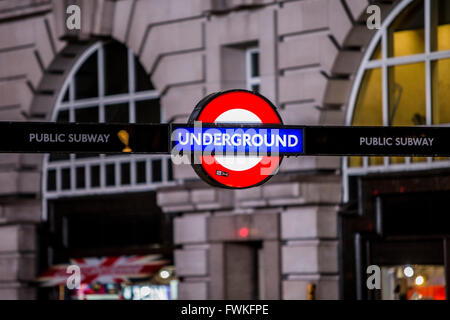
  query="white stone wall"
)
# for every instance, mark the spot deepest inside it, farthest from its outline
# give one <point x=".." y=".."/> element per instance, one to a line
<point x="27" y="48"/>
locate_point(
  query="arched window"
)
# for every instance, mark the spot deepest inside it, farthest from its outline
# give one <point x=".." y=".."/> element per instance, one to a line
<point x="403" y="80"/>
<point x="107" y="84"/>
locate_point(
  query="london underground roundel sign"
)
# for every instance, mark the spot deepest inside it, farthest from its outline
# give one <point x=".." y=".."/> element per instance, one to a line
<point x="236" y="171"/>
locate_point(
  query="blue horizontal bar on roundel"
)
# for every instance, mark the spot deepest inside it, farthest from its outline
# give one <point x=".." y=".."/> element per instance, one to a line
<point x="239" y="140"/>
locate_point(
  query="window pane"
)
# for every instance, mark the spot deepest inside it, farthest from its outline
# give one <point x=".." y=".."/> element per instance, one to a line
<point x="117" y="113"/>
<point x="65" y="179"/>
<point x="86" y="81"/>
<point x="66" y="96"/>
<point x="355" y="162"/>
<point x="148" y="111"/>
<point x="81" y="181"/>
<point x="407" y="95"/>
<point x="86" y="114"/>
<point x="110" y="174"/>
<point x="406" y="35"/>
<point x="95" y="176"/>
<point x="255" y="87"/>
<point x="377" y="52"/>
<point x="441" y="91"/>
<point x="254" y="60"/>
<point x="443" y="26"/>
<point x="407" y="98"/>
<point x="402" y="287"/>
<point x="63" y="116"/>
<point x="58" y="157"/>
<point x="143" y="82"/>
<point x="368" y="109"/>
<point x="156" y="170"/>
<point x="141" y="172"/>
<point x="116" y="68"/>
<point x="440" y="82"/>
<point x="396" y="160"/>
<point x="125" y="178"/>
<point x="51" y="180"/>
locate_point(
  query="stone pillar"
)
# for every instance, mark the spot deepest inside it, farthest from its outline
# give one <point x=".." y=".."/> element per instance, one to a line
<point x="20" y="211"/>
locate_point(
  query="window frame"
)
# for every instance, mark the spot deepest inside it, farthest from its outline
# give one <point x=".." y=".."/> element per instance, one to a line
<point x="250" y="80"/>
<point x="385" y="62"/>
<point x="101" y="101"/>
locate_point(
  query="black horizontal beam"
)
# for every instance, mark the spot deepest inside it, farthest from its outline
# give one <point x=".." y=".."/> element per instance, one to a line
<point x="50" y="137"/>
<point x="378" y="141"/>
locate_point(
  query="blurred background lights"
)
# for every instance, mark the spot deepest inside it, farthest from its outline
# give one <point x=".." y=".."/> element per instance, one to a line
<point x="420" y="280"/>
<point x="408" y="271"/>
<point x="164" y="274"/>
<point x="243" y="232"/>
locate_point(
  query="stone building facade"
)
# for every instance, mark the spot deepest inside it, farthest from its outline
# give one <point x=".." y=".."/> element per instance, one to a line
<point x="309" y="52"/>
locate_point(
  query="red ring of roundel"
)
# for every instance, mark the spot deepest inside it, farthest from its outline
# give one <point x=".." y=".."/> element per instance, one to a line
<point x="240" y="99"/>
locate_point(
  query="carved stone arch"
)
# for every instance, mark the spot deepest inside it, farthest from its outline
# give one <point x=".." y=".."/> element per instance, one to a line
<point x="348" y="59"/>
<point x="52" y="82"/>
<point x="178" y="31"/>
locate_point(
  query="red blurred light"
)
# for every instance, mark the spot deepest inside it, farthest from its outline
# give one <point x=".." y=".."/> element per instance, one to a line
<point x="243" y="232"/>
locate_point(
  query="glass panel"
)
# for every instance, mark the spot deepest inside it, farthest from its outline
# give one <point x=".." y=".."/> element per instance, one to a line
<point x="65" y="179"/>
<point x="66" y="96"/>
<point x="406" y="33"/>
<point x="407" y="95"/>
<point x="63" y="116"/>
<point x="95" y="176"/>
<point x="148" y="111"/>
<point x="81" y="180"/>
<point x="407" y="98"/>
<point x="413" y="282"/>
<point x="441" y="91"/>
<point x="86" y="80"/>
<point x="443" y="27"/>
<point x="58" y="157"/>
<point x="396" y="160"/>
<point x="418" y="159"/>
<point x="440" y="159"/>
<point x="368" y="109"/>
<point x="86" y="115"/>
<point x="156" y="170"/>
<point x="116" y="68"/>
<point x="125" y="178"/>
<point x="440" y="82"/>
<point x="254" y="60"/>
<point x="110" y="174"/>
<point x="377" y="52"/>
<point x="51" y="180"/>
<point x="255" y="87"/>
<point x="117" y="113"/>
<point x="141" y="172"/>
<point x="355" y="162"/>
<point x="143" y="82"/>
<point x="444" y="37"/>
